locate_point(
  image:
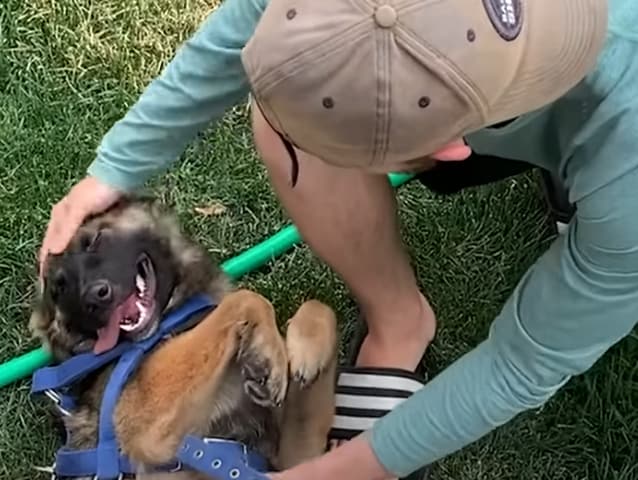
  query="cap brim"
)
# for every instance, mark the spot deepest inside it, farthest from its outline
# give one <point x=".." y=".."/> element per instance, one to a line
<point x="563" y="44"/>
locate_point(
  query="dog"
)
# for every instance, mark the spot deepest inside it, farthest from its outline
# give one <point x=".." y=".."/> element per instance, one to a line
<point x="230" y="374"/>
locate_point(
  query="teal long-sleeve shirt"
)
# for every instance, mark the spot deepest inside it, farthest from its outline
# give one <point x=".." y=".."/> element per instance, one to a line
<point x="573" y="304"/>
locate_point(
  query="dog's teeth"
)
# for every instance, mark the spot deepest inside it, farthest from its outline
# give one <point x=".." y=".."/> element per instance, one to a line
<point x="143" y="311"/>
<point x="130" y="324"/>
<point x="140" y="283"/>
<point x="140" y="306"/>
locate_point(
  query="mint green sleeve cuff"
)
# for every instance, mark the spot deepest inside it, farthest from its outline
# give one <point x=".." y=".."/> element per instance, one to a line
<point x="573" y="304"/>
<point x="204" y="79"/>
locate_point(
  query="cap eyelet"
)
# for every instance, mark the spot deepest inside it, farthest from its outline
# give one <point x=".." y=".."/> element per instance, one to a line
<point x="290" y="14"/>
<point x="234" y="473"/>
<point x="424" y="102"/>
<point x="471" y="35"/>
<point x="216" y="464"/>
<point x="328" y="102"/>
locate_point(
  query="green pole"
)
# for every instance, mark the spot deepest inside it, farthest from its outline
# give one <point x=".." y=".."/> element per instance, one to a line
<point x="247" y="261"/>
<point x="23" y="366"/>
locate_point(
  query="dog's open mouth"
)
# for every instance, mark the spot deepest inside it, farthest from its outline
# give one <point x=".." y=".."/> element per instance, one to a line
<point x="135" y="312"/>
<point x="138" y="309"/>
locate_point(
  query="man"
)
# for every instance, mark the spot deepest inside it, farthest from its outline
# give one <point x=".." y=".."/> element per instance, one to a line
<point x="345" y="91"/>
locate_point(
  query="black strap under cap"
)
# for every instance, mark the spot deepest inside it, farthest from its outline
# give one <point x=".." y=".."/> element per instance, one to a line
<point x="294" y="170"/>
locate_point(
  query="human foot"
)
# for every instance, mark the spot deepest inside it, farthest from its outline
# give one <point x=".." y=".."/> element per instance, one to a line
<point x="401" y="346"/>
<point x="398" y="342"/>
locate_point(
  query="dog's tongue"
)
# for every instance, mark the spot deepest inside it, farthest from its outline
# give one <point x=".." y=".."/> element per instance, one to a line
<point x="107" y="336"/>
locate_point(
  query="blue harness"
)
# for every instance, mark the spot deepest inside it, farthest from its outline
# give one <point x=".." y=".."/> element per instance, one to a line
<point x="219" y="458"/>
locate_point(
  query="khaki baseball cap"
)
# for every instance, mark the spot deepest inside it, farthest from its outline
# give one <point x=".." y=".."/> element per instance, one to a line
<point x="378" y="84"/>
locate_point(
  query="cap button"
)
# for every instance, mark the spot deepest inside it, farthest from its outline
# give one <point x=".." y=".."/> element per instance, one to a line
<point x="385" y="16"/>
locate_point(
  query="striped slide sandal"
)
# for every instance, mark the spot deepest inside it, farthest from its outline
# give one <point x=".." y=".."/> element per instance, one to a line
<point x="365" y="394"/>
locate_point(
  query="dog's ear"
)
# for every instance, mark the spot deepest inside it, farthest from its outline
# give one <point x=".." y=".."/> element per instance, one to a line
<point x="46" y="325"/>
<point x="41" y="318"/>
<point x="197" y="270"/>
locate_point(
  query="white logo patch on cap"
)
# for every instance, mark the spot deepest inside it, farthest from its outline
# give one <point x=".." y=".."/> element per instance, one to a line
<point x="506" y="16"/>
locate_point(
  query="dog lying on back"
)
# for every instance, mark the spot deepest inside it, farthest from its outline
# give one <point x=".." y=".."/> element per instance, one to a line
<point x="230" y="375"/>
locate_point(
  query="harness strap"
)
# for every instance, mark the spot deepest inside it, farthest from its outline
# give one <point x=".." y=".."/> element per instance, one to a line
<point x="105" y="462"/>
<point x="73" y="369"/>
<point x="222" y="459"/>
<point x="80" y="365"/>
<point x="70" y="463"/>
<point x="74" y="463"/>
<point x="107" y="447"/>
<point x="108" y="453"/>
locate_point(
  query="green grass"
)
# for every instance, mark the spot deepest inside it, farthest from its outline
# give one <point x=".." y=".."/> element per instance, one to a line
<point x="70" y="68"/>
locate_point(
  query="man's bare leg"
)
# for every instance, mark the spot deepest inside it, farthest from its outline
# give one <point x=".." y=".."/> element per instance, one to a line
<point x="349" y="219"/>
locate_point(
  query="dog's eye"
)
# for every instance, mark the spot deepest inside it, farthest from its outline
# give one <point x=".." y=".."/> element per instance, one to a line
<point x="90" y="242"/>
<point x="60" y="280"/>
<point x="58" y="284"/>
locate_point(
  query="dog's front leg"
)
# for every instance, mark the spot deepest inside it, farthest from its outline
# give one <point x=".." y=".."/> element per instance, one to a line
<point x="173" y="393"/>
<point x="311" y="342"/>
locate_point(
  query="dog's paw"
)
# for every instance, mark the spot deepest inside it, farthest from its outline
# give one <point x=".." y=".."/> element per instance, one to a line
<point x="264" y="366"/>
<point x="311" y="341"/>
<point x="259" y="387"/>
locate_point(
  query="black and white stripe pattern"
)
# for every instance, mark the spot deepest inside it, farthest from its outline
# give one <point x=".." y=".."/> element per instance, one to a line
<point x="363" y="395"/>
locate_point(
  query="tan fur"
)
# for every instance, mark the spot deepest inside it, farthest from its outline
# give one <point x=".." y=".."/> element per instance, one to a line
<point x="181" y="379"/>
<point x="311" y="341"/>
<point x="199" y="378"/>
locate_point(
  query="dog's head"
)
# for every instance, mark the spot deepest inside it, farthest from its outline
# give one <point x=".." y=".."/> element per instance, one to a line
<point x="117" y="278"/>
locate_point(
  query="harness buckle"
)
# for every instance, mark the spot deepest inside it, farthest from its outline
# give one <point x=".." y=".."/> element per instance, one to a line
<point x="223" y="440"/>
<point x="119" y="477"/>
<point x="55" y="398"/>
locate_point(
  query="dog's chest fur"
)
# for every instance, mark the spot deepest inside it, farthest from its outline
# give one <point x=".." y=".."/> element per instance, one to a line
<point x="233" y="415"/>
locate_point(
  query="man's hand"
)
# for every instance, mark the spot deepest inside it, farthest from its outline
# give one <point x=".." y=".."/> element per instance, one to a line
<point x="353" y="460"/>
<point x="87" y="197"/>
